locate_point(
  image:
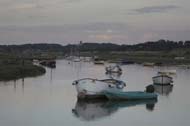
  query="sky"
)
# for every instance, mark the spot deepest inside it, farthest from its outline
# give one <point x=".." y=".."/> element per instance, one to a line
<point x="71" y="21"/>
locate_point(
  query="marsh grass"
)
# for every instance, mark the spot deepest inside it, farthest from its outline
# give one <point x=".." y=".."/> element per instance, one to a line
<point x="12" y="69"/>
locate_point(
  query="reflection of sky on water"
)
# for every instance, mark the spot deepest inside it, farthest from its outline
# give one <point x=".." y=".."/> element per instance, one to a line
<point x="48" y="100"/>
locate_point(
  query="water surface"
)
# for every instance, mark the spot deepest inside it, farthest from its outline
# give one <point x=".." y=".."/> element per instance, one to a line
<point x="50" y="100"/>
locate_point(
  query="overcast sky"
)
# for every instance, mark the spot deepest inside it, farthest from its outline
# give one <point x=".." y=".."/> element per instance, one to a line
<point x="117" y="21"/>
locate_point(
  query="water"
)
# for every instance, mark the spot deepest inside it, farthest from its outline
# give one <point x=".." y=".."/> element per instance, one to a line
<point x="50" y="100"/>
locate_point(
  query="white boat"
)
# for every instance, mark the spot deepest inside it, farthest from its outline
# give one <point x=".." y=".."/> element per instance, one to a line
<point x="162" y="79"/>
<point x="113" y="69"/>
<point x="86" y="59"/>
<point x="101" y="62"/>
<point x="93" y="88"/>
<point x="98" y="61"/>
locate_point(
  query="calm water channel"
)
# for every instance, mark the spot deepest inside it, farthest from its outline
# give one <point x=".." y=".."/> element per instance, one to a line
<point x="50" y="100"/>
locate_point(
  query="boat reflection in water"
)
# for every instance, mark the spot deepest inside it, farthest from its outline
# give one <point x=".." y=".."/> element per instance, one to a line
<point x="163" y="89"/>
<point x="98" y="109"/>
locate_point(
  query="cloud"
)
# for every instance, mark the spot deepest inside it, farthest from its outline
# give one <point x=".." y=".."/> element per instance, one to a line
<point x="92" y="32"/>
<point x="30" y="4"/>
<point x="154" y="9"/>
<point x="103" y="37"/>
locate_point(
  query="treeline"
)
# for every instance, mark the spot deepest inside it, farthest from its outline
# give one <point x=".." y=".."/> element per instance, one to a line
<point x="30" y="47"/>
<point x="161" y="45"/>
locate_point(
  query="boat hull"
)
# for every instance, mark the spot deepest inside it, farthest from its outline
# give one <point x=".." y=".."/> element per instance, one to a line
<point x="162" y="80"/>
<point x="132" y="95"/>
<point x="90" y="88"/>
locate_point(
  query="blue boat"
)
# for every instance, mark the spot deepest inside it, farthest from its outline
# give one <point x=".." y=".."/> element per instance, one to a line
<point x="130" y="95"/>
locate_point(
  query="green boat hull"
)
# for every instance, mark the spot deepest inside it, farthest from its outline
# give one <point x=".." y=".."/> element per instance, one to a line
<point x="132" y="95"/>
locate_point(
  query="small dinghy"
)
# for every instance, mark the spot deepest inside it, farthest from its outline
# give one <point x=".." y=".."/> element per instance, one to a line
<point x="98" y="61"/>
<point x="130" y="95"/>
<point x="113" y="69"/>
<point x="88" y="88"/>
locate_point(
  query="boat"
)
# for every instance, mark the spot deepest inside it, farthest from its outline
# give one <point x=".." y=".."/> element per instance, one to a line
<point x="162" y="79"/>
<point x="130" y="95"/>
<point x="35" y="61"/>
<point x="184" y="66"/>
<point x="148" y="64"/>
<point x="88" y="88"/>
<point x="113" y="69"/>
<point x="48" y="63"/>
<point x="98" y="61"/>
<point x="86" y="59"/>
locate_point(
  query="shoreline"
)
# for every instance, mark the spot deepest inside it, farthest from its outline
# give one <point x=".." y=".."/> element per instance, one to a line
<point x="139" y="57"/>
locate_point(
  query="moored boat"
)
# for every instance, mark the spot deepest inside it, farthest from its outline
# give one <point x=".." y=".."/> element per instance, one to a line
<point x="113" y="69"/>
<point x="98" y="61"/>
<point x="130" y="95"/>
<point x="162" y="79"/>
<point x="148" y="64"/>
<point x="88" y="88"/>
<point x="48" y="63"/>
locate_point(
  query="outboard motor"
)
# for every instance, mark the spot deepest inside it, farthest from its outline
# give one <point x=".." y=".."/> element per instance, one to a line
<point x="75" y="83"/>
<point x="150" y="89"/>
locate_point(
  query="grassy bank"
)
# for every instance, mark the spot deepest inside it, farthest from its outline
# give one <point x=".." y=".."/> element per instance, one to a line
<point x="12" y="69"/>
